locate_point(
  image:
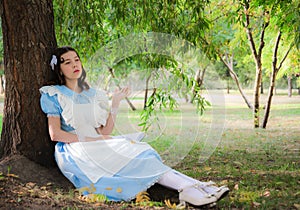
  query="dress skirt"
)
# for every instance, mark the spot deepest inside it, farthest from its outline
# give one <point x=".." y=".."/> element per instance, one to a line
<point x="136" y="176"/>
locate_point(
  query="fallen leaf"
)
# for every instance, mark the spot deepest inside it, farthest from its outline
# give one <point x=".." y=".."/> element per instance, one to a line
<point x="224" y="182"/>
<point x="297" y="206"/>
<point x="170" y="205"/>
<point x="142" y="197"/>
<point x="255" y="204"/>
<point x="236" y="187"/>
<point x="12" y="175"/>
<point x="239" y="164"/>
<point x="83" y="189"/>
<point x="30" y="185"/>
<point x="267" y="193"/>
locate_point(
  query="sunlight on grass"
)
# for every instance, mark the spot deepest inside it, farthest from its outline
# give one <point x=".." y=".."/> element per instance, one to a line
<point x="260" y="166"/>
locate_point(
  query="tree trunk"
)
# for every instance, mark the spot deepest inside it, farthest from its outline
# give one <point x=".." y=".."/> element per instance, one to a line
<point x="228" y="87"/>
<point x="229" y="64"/>
<point x="199" y="77"/>
<point x="269" y="98"/>
<point x="256" y="95"/>
<point x="275" y="70"/>
<point x="1" y="85"/>
<point x="257" y="55"/>
<point x="146" y="91"/>
<point x="28" y="37"/>
<point x="290" y="86"/>
<point x="237" y="82"/>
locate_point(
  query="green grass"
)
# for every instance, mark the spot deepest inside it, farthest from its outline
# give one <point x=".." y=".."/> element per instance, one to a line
<point x="260" y="166"/>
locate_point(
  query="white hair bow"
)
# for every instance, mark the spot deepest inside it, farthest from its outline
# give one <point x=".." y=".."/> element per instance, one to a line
<point x="53" y="62"/>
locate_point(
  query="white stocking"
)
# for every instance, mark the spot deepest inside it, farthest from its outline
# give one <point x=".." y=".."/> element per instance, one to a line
<point x="188" y="192"/>
<point x="176" y="180"/>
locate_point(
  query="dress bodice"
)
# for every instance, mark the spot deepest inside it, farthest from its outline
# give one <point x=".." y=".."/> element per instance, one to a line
<point x="83" y="111"/>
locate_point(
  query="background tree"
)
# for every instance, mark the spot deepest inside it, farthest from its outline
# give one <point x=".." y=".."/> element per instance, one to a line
<point x="256" y="17"/>
<point x="226" y="43"/>
<point x="259" y="21"/>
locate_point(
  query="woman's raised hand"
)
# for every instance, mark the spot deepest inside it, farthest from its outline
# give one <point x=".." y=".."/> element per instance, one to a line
<point x="119" y="95"/>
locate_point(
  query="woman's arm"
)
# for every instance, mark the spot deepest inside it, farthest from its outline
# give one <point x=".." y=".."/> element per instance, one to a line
<point x="57" y="134"/>
<point x="117" y="97"/>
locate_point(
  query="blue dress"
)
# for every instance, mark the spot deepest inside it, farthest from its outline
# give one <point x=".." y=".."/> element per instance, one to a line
<point x="116" y="168"/>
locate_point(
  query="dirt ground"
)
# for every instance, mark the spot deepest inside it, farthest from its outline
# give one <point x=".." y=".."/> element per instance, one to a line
<point x="27" y="185"/>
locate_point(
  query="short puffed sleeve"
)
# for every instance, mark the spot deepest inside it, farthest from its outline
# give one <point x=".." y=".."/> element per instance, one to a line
<point x="50" y="105"/>
<point x="102" y="99"/>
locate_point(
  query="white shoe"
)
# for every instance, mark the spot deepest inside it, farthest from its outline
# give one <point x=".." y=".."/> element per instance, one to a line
<point x="196" y="196"/>
<point x="213" y="190"/>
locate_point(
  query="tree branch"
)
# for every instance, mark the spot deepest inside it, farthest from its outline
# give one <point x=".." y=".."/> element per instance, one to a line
<point x="262" y="35"/>
<point x="284" y="57"/>
<point x="248" y="30"/>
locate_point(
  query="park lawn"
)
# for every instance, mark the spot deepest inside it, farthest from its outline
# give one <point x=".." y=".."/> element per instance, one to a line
<point x="260" y="166"/>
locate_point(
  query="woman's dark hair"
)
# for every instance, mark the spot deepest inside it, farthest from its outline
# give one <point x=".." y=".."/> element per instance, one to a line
<point x="58" y="78"/>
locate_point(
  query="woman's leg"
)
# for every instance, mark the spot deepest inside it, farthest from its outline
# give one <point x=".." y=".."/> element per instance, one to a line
<point x="187" y="189"/>
<point x="172" y="180"/>
<point x="179" y="181"/>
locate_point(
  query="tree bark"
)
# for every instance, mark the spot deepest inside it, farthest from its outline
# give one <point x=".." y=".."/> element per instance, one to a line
<point x="28" y="38"/>
<point x="146" y="91"/>
<point x="229" y="64"/>
<point x="257" y="54"/>
<point x="199" y="78"/>
<point x="290" y="86"/>
<point x="1" y="84"/>
<point x="228" y="87"/>
<point x="275" y="70"/>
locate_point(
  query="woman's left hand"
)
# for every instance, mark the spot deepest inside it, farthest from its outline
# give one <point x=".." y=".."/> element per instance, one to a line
<point x="119" y="95"/>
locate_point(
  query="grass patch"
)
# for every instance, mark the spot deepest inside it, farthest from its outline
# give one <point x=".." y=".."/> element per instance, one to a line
<point x="260" y="166"/>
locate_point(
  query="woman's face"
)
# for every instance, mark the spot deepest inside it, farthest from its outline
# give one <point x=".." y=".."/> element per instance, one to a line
<point x="71" y="66"/>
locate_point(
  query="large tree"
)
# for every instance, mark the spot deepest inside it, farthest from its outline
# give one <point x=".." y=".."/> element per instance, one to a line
<point x="28" y="36"/>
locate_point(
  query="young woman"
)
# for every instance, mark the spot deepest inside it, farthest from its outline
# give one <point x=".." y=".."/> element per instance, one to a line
<point x="80" y="120"/>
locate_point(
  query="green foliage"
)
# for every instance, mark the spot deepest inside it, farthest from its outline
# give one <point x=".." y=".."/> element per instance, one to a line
<point x="157" y="101"/>
<point x="216" y="27"/>
<point x="79" y="24"/>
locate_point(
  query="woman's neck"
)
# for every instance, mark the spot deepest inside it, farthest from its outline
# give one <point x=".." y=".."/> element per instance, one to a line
<point x="73" y="86"/>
